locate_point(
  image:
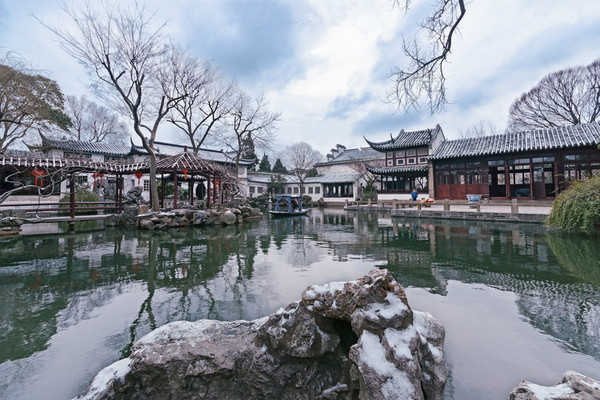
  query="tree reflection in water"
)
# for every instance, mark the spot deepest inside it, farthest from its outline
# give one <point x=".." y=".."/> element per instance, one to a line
<point x="49" y="284"/>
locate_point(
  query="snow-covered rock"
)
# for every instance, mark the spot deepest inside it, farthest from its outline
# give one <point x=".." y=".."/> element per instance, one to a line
<point x="573" y="386"/>
<point x="344" y="340"/>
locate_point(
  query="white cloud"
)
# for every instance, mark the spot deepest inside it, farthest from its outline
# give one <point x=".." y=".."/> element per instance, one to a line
<point x="341" y="50"/>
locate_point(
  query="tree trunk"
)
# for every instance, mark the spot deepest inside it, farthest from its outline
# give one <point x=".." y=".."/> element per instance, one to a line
<point x="153" y="181"/>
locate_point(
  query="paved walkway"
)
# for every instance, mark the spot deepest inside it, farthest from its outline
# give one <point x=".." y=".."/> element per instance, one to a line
<point x="536" y="213"/>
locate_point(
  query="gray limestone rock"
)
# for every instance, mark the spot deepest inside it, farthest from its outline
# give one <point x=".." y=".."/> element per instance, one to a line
<point x="344" y="340"/>
<point x="573" y="386"/>
<point x="228" y="218"/>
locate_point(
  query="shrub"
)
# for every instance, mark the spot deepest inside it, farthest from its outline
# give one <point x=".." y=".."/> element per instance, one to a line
<point x="577" y="209"/>
<point x="370" y="192"/>
<point x="81" y="196"/>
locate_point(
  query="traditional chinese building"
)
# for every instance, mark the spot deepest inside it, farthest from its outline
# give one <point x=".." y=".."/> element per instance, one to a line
<point x="407" y="162"/>
<point x="531" y="164"/>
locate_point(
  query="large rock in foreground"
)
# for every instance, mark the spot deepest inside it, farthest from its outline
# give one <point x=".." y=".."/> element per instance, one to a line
<point x="352" y="340"/>
<point x="573" y="386"/>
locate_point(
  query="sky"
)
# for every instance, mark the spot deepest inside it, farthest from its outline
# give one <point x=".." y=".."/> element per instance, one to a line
<point x="324" y="64"/>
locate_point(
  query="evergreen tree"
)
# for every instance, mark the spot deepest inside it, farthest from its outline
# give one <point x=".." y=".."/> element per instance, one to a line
<point x="279" y="168"/>
<point x="265" y="165"/>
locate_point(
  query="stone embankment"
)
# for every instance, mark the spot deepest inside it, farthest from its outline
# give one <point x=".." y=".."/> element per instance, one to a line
<point x="182" y="217"/>
<point x="10" y="226"/>
<point x="573" y="386"/>
<point x="343" y="340"/>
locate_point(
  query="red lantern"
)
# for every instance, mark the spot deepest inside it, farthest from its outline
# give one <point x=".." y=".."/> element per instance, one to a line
<point x="98" y="175"/>
<point x="185" y="174"/>
<point x="139" y="176"/>
<point x="39" y="173"/>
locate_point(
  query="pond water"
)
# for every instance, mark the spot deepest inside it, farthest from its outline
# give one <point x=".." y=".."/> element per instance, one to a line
<point x="517" y="302"/>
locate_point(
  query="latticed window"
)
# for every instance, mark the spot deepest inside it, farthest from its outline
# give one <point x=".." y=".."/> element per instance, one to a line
<point x="146" y="185"/>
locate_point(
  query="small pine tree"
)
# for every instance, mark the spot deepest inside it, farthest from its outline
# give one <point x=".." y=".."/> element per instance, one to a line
<point x="311" y="173"/>
<point x="279" y="168"/>
<point x="265" y="165"/>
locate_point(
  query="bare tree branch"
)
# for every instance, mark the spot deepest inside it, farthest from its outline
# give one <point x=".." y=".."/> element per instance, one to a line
<point x="567" y="97"/>
<point x="423" y="80"/>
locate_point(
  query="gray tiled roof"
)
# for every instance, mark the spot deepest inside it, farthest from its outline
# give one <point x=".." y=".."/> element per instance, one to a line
<point x="265" y="177"/>
<point x="406" y="139"/>
<point x="333" y="178"/>
<point x="543" y="139"/>
<point x="80" y="146"/>
<point x="352" y="155"/>
<point x="171" y="149"/>
<point x="396" y="169"/>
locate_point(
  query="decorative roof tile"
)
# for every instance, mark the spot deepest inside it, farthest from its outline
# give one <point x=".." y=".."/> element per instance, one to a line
<point x="542" y="139"/>
<point x="396" y="169"/>
<point x="406" y="139"/>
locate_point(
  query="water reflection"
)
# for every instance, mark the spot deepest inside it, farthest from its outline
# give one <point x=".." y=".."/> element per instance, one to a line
<point x="53" y="286"/>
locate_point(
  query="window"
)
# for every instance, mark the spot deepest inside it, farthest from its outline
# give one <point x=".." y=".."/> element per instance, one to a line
<point x="310" y="190"/>
<point x="423" y="151"/>
<point x="317" y="190"/>
<point x="422" y="160"/>
<point x="295" y="189"/>
<point x="495" y="162"/>
<point x="146" y="185"/>
<point x="260" y="189"/>
<point x="390" y="163"/>
<point x="411" y="153"/>
<point x="400" y="153"/>
<point x="303" y="190"/>
<point x="519" y="161"/>
<point x="400" y="162"/>
<point x="289" y="190"/>
<point x="252" y="189"/>
<point x="82" y="178"/>
<point x="572" y="157"/>
<point x="412" y="161"/>
<point x="390" y="154"/>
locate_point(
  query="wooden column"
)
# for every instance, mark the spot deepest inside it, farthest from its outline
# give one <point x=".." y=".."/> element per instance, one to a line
<point x="119" y="193"/>
<point x="176" y="190"/>
<point x="215" y="198"/>
<point x="531" y="178"/>
<point x="72" y="196"/>
<point x="506" y="179"/>
<point x="191" y="190"/>
<point x="208" y="191"/>
<point x="162" y="192"/>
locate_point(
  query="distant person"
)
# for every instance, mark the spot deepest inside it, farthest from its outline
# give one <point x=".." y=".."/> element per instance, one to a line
<point x="414" y="194"/>
<point x="295" y="205"/>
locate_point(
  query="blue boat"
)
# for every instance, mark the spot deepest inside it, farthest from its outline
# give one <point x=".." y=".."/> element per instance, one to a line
<point x="292" y="208"/>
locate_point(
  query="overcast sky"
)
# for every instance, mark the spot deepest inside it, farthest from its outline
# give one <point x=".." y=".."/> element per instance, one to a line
<point x="325" y="63"/>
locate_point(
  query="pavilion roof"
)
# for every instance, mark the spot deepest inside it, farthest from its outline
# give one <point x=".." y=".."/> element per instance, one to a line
<point x="407" y="139"/>
<point x="187" y="161"/>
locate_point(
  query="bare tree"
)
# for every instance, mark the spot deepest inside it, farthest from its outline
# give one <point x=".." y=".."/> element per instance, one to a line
<point x="27" y="100"/>
<point x="567" y="97"/>
<point x="479" y="129"/>
<point x="423" y="78"/>
<point x="207" y="105"/>
<point x="94" y="123"/>
<point x="131" y="63"/>
<point x="251" y="122"/>
<point x="300" y="158"/>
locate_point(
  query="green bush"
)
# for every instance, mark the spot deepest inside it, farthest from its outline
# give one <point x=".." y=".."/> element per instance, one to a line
<point x="81" y="196"/>
<point x="577" y="209"/>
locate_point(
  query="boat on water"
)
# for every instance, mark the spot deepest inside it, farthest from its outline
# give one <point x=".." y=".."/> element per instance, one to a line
<point x="288" y="206"/>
